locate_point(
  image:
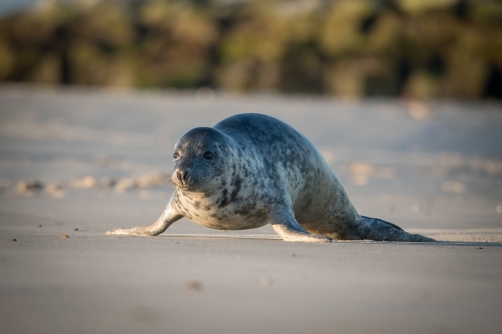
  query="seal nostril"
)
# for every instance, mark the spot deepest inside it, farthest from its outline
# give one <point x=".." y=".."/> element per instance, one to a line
<point x="181" y="176"/>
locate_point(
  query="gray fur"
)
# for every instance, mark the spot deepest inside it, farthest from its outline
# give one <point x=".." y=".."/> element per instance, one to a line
<point x="263" y="171"/>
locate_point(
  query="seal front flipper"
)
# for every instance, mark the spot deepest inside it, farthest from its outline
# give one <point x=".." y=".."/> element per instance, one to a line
<point x="286" y="226"/>
<point x="169" y="216"/>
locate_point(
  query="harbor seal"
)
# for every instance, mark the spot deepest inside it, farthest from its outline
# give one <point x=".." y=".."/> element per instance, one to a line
<point x="250" y="170"/>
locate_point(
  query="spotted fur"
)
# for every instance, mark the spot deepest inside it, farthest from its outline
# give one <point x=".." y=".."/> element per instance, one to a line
<point x="263" y="171"/>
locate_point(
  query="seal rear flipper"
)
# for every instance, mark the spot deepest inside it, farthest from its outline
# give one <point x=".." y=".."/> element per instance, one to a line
<point x="383" y="221"/>
<point x="381" y="230"/>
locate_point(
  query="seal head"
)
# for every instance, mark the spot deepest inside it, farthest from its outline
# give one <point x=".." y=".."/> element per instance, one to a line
<point x="200" y="160"/>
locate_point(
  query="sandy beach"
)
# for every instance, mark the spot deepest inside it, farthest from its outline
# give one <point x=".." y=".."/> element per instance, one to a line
<point x="76" y="163"/>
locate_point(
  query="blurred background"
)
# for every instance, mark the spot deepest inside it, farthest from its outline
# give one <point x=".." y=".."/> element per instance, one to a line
<point x="417" y="49"/>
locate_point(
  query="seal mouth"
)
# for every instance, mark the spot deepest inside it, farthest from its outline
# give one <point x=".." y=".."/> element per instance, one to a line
<point x="189" y="186"/>
<point x="183" y="184"/>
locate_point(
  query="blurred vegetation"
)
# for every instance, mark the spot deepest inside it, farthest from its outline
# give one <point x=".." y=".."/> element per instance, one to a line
<point x="349" y="48"/>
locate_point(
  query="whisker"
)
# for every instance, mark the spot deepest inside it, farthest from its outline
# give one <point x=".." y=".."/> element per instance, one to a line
<point x="169" y="179"/>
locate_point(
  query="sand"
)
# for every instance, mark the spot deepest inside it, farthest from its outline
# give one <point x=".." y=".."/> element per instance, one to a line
<point x="434" y="169"/>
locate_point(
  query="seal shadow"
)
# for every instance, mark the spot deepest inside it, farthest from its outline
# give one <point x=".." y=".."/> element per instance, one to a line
<point x="271" y="237"/>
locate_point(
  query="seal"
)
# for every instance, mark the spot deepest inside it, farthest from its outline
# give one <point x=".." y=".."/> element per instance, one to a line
<point x="250" y="170"/>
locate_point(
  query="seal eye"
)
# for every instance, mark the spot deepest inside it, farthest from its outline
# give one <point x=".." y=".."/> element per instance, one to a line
<point x="176" y="155"/>
<point x="207" y="155"/>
